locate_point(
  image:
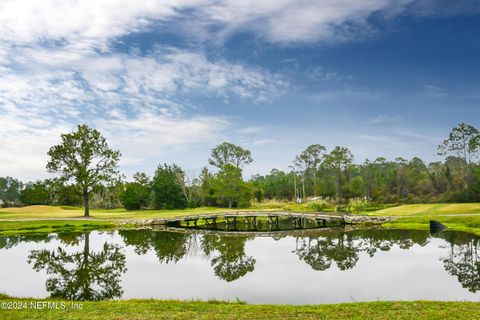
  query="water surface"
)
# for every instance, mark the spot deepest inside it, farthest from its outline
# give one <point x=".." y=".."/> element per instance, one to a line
<point x="297" y="267"/>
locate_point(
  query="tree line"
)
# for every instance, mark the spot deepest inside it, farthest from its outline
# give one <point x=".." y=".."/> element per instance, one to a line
<point x="87" y="174"/>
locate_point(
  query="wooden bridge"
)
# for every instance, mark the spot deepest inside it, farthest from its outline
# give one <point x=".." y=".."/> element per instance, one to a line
<point x="299" y="220"/>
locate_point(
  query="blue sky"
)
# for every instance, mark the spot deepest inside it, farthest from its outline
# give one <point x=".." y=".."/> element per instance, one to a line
<point x="166" y="81"/>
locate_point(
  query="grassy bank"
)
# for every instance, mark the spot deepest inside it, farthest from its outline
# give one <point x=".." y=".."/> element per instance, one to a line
<point x="52" y="226"/>
<point x="49" y="212"/>
<point x="430" y="209"/>
<point x="157" y="309"/>
<point x="469" y="224"/>
<point x="456" y="216"/>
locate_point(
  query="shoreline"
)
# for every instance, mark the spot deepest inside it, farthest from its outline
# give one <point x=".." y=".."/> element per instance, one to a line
<point x="215" y="309"/>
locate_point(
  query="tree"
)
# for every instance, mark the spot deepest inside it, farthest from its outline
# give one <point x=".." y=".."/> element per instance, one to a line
<point x="85" y="158"/>
<point x="167" y="188"/>
<point x="230" y="188"/>
<point x="464" y="142"/>
<point x="275" y="185"/>
<point x="310" y="159"/>
<point x="35" y="193"/>
<point x="228" y="153"/>
<point x="339" y="160"/>
<point x="402" y="177"/>
<point x="206" y="191"/>
<point x="136" y="195"/>
<point x="66" y="194"/>
<point x="10" y="189"/>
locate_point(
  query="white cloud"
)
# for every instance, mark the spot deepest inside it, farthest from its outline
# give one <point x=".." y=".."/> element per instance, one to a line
<point x="23" y="21"/>
<point x="146" y="139"/>
<point x="382" y="118"/>
<point x="433" y="91"/>
<point x="59" y="67"/>
<point x="93" y="23"/>
<point x="135" y="100"/>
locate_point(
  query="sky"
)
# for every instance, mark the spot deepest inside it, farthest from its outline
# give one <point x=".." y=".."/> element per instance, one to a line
<point x="166" y="81"/>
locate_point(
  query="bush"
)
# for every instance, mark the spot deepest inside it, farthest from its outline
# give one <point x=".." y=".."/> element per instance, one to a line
<point x="135" y="196"/>
<point x="319" y="205"/>
<point x="358" y="204"/>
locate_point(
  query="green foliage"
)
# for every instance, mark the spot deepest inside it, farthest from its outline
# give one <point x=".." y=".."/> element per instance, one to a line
<point x="136" y="195"/>
<point x="228" y="153"/>
<point x="310" y="159"/>
<point x="9" y="190"/>
<point x="463" y="142"/>
<point x="259" y="194"/>
<point x="205" y="190"/>
<point x="276" y="185"/>
<point x="167" y="188"/>
<point x="66" y="194"/>
<point x="84" y="158"/>
<point x="35" y="193"/>
<point x="230" y="189"/>
<point x="88" y="169"/>
<point x="358" y="205"/>
<point x="318" y="205"/>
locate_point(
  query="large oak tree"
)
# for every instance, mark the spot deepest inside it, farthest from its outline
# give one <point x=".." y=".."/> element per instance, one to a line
<point x="84" y="158"/>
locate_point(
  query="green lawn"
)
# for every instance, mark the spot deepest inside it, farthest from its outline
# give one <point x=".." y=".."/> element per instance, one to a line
<point x="158" y="309"/>
<point x="15" y="221"/>
<point x="469" y="224"/>
<point x="430" y="209"/>
<point x="20" y="227"/>
<point x="46" y="212"/>
<point x="456" y="216"/>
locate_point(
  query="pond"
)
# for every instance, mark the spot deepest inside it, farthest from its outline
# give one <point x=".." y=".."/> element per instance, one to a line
<point x="296" y="267"/>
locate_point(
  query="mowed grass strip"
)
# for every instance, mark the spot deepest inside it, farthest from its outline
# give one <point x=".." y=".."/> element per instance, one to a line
<point x="430" y="209"/>
<point x="10" y="228"/>
<point x="470" y="224"/>
<point x="54" y="212"/>
<point x="160" y="309"/>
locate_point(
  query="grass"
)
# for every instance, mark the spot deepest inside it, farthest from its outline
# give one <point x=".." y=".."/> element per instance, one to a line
<point x="16" y="221"/>
<point x="431" y="209"/>
<point x="416" y="216"/>
<point x="171" y="309"/>
<point x="19" y="227"/>
<point x="470" y="224"/>
<point x="456" y="216"/>
<point x="50" y="212"/>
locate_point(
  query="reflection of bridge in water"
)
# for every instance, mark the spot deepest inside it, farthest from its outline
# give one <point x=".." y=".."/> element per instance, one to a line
<point x="257" y="221"/>
<point x="276" y="234"/>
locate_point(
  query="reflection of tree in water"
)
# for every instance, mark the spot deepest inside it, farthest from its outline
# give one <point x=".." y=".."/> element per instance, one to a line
<point x="463" y="260"/>
<point x="168" y="246"/>
<point x="344" y="248"/>
<point x="83" y="275"/>
<point x="320" y="252"/>
<point x="7" y="242"/>
<point x="231" y="263"/>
